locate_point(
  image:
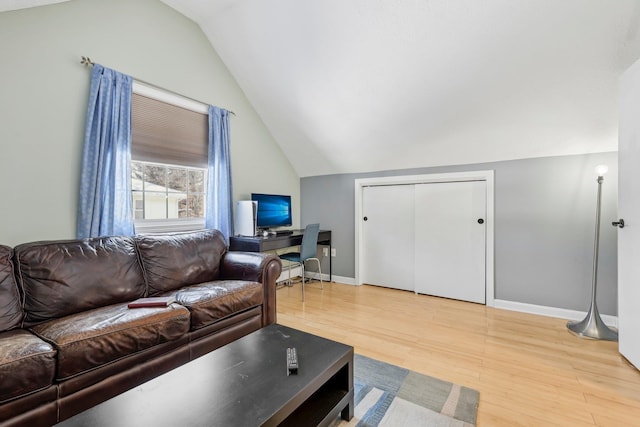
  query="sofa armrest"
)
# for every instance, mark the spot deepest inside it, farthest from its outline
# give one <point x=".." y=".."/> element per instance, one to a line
<point x="257" y="267"/>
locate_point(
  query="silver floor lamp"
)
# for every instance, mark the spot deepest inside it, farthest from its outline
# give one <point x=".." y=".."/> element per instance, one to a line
<point x="592" y="326"/>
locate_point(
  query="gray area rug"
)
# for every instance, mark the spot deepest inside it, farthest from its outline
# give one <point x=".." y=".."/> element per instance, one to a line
<point x="388" y="395"/>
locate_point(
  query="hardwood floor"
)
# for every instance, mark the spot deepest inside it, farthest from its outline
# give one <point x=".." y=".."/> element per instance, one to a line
<point x="529" y="370"/>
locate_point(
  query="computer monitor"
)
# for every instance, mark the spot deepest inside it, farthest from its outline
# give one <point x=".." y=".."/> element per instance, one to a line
<point x="274" y="210"/>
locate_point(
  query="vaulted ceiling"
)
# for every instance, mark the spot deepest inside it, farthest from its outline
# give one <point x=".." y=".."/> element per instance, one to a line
<point x="365" y="85"/>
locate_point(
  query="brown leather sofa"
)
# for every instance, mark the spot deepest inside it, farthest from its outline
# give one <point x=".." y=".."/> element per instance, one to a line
<point x="68" y="340"/>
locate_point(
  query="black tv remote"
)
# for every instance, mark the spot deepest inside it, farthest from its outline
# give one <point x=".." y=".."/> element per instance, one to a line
<point x="292" y="361"/>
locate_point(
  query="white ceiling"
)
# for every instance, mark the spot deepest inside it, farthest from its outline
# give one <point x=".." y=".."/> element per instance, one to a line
<point x="365" y="85"/>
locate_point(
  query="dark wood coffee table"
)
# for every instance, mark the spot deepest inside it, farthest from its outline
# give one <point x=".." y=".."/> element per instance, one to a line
<point x="244" y="383"/>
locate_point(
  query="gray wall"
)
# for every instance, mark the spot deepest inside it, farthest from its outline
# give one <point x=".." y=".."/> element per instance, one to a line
<point x="544" y="226"/>
<point x="43" y="103"/>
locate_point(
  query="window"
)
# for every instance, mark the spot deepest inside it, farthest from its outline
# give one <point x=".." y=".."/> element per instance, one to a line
<point x="169" y="148"/>
<point x="163" y="191"/>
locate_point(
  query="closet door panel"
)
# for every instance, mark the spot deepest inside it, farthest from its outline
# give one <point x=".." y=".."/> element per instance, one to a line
<point x="388" y="236"/>
<point x="450" y="240"/>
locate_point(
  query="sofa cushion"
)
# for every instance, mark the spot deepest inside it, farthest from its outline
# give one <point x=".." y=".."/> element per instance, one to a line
<point x="27" y="364"/>
<point x="65" y="277"/>
<point x="10" y="311"/>
<point x="96" y="337"/>
<point x="174" y="260"/>
<point x="213" y="301"/>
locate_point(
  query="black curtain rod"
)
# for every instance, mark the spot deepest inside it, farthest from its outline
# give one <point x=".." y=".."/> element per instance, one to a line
<point x="86" y="61"/>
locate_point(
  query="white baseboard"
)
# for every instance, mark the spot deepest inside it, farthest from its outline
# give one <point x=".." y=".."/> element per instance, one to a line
<point x="340" y="279"/>
<point x="561" y="313"/>
<point x="315" y="275"/>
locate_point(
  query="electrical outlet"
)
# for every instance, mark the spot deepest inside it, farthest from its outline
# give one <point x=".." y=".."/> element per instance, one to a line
<point x="325" y="251"/>
<point x="333" y="252"/>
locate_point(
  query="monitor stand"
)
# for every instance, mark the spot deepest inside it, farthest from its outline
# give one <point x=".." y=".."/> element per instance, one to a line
<point x="266" y="232"/>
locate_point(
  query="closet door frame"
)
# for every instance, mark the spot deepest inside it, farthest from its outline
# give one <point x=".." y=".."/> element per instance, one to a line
<point x="484" y="175"/>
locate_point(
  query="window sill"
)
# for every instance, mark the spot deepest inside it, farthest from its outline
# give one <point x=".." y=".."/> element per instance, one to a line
<point x="168" y="225"/>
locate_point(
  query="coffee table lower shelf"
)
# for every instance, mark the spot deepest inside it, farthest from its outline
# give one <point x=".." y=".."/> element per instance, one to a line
<point x="322" y="408"/>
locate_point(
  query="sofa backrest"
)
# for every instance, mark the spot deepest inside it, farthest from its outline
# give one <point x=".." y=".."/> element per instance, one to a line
<point x="10" y="311"/>
<point x="174" y="260"/>
<point x="58" y="278"/>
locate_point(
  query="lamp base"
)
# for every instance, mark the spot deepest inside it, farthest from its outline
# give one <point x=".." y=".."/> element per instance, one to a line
<point x="592" y="327"/>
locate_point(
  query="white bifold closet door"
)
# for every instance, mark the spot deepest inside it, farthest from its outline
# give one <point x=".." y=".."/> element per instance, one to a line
<point x="428" y="238"/>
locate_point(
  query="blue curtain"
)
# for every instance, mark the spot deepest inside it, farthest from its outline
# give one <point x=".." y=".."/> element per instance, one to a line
<point x="219" y="214"/>
<point x="105" y="206"/>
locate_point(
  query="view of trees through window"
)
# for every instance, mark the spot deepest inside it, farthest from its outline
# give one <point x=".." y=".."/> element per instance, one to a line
<point x="167" y="192"/>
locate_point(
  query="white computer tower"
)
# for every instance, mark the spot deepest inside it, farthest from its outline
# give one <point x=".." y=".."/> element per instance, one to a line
<point x="246" y="214"/>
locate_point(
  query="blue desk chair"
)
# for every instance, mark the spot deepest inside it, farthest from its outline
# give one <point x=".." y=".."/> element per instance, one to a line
<point x="307" y="252"/>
